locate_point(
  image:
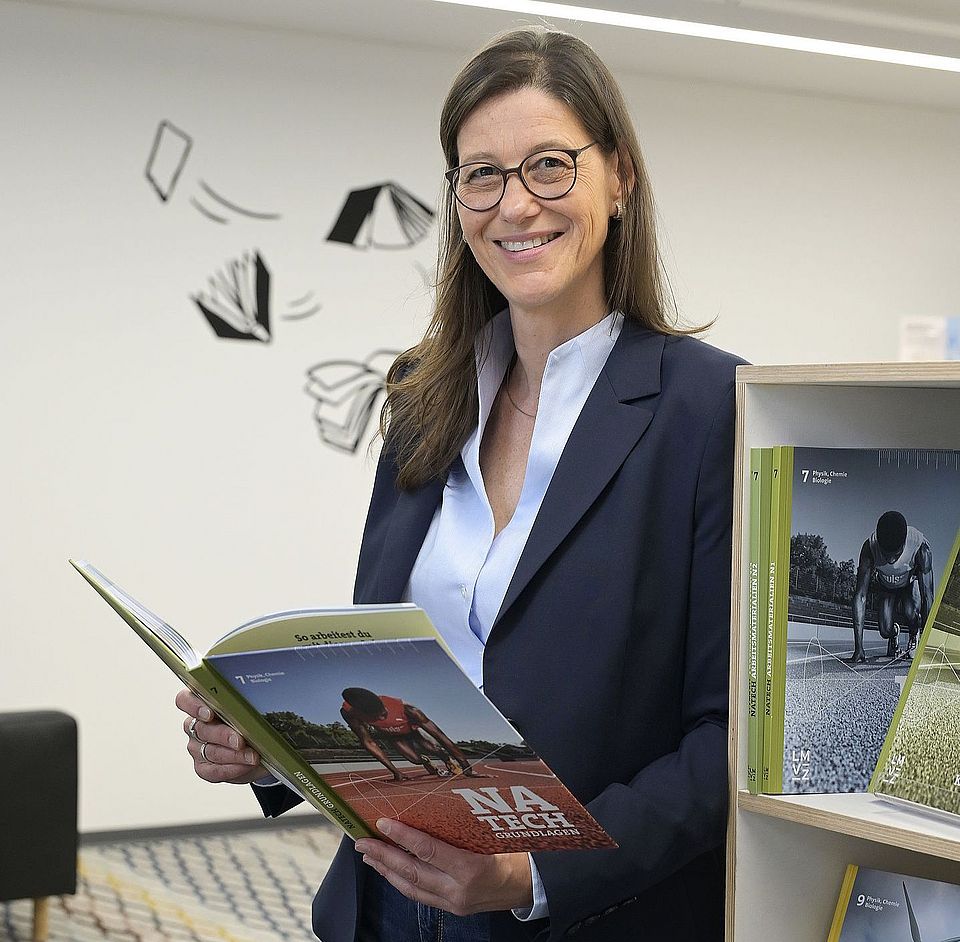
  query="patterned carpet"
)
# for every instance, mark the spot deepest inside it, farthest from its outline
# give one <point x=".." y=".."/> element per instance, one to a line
<point x="241" y="886"/>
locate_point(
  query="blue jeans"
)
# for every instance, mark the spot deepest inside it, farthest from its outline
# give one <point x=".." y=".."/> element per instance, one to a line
<point x="386" y="915"/>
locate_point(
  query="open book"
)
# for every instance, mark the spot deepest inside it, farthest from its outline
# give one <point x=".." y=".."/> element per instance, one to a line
<point x="364" y="712"/>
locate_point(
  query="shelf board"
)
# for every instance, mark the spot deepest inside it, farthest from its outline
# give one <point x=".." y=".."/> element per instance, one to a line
<point x="862" y="816"/>
<point x="943" y="373"/>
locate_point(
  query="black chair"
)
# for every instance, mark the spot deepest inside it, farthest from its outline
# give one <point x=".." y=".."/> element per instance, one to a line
<point x="38" y="809"/>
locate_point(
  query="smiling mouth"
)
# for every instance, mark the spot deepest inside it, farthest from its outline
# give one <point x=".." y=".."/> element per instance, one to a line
<point x="534" y="243"/>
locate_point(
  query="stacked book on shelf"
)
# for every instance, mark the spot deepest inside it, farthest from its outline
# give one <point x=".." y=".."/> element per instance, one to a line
<point x="851" y="551"/>
<point x="877" y="906"/>
<point x="919" y="764"/>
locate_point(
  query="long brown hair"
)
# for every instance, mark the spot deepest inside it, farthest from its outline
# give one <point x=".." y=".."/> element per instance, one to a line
<point x="431" y="404"/>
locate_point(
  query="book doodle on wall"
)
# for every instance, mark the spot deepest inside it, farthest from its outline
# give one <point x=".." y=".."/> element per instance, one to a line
<point x="236" y="302"/>
<point x="385" y="216"/>
<point x="168" y="156"/>
<point x="346" y="392"/>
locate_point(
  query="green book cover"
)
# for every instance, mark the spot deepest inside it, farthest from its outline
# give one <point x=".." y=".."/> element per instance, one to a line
<point x="920" y="761"/>
<point x="754" y="663"/>
<point x="761" y="541"/>
<point x="364" y="712"/>
<point x="879" y="906"/>
<point x="772" y="733"/>
<point x="865" y="535"/>
<point x="840" y="913"/>
<point x="766" y="483"/>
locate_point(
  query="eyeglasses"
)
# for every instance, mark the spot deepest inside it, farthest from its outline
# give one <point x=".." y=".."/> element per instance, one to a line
<point x="547" y="174"/>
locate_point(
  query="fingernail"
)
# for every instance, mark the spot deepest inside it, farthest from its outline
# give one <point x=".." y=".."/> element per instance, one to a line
<point x="250" y="756"/>
<point x="361" y="847"/>
<point x="384" y="825"/>
<point x="205" y="714"/>
<point x="234" y="741"/>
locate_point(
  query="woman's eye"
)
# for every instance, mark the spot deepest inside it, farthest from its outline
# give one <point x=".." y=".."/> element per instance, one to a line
<point x="481" y="174"/>
<point x="549" y="165"/>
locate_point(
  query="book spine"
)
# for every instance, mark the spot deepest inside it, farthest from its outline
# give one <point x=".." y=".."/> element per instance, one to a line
<point x="769" y="562"/>
<point x="840" y="913"/>
<point x="780" y="594"/>
<point x="770" y="519"/>
<point x="876" y="782"/>
<point x="754" y="707"/>
<point x="224" y="699"/>
<point x="766" y="467"/>
<point x="782" y="597"/>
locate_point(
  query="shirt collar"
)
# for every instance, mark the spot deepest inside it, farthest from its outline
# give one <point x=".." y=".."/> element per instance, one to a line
<point x="495" y="350"/>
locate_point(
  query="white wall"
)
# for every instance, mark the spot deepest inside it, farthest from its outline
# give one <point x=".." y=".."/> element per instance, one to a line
<point x="188" y="467"/>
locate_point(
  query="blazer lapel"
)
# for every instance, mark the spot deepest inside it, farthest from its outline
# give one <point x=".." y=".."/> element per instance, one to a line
<point x="408" y="526"/>
<point x="609" y="426"/>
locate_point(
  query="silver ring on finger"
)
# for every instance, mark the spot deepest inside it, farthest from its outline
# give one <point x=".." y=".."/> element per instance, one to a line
<point x="203" y="752"/>
<point x="193" y="730"/>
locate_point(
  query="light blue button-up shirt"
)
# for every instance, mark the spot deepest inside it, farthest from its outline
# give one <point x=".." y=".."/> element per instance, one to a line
<point x="464" y="568"/>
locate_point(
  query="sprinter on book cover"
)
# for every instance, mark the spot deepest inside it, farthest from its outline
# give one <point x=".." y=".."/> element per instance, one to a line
<point x="869" y="534"/>
<point x="397" y="730"/>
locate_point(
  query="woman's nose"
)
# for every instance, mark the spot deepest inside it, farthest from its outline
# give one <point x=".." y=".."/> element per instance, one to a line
<point x="518" y="202"/>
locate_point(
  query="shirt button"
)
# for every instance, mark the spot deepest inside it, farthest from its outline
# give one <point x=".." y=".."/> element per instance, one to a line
<point x="463" y="590"/>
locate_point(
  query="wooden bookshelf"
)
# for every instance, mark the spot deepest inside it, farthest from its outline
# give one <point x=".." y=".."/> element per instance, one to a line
<point x="786" y="854"/>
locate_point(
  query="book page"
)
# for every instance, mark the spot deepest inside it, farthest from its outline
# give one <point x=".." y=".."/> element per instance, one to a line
<point x="167" y="643"/>
<point x="310" y="628"/>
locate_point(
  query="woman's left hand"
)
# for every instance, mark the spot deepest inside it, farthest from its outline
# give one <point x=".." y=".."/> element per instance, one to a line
<point x="429" y="871"/>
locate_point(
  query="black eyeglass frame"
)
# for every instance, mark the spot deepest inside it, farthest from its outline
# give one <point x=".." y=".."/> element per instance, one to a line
<point x="572" y="153"/>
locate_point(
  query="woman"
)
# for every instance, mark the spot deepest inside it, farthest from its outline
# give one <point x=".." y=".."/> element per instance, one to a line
<point x="555" y="491"/>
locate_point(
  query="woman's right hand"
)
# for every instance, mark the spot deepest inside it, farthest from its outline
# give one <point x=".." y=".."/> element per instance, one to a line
<point x="219" y="752"/>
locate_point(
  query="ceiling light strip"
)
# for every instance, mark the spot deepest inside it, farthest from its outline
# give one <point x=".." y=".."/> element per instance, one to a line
<point x="658" y="24"/>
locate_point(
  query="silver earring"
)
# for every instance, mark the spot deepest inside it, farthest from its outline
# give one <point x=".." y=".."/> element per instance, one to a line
<point x="618" y="210"/>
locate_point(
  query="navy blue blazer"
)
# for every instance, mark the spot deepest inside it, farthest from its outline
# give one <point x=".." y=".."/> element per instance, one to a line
<point x="610" y="652"/>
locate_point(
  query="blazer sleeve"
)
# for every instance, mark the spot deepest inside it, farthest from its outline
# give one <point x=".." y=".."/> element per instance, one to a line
<point x="674" y="810"/>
